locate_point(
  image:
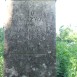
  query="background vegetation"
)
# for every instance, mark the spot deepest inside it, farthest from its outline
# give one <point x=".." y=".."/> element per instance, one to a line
<point x="1" y="50"/>
<point x="66" y="52"/>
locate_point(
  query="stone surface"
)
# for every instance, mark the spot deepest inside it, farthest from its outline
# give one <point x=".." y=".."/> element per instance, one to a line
<point x="39" y="65"/>
<point x="30" y="39"/>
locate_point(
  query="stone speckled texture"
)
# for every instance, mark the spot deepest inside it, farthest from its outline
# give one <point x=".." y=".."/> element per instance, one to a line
<point x="39" y="65"/>
<point x="30" y="40"/>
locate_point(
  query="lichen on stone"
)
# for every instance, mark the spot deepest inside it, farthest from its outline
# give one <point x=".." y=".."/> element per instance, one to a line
<point x="11" y="71"/>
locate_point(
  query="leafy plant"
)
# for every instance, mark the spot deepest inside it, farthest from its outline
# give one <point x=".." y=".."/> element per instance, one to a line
<point x="1" y="50"/>
<point x="66" y="53"/>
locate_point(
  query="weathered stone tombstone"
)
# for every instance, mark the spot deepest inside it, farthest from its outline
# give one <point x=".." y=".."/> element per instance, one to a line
<point x="30" y="39"/>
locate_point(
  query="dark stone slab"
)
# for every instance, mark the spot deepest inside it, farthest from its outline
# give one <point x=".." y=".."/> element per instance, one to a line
<point x="39" y="65"/>
<point x="30" y="39"/>
<point x="32" y="28"/>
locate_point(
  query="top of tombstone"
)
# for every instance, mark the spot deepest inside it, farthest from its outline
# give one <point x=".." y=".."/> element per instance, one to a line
<point x="32" y="0"/>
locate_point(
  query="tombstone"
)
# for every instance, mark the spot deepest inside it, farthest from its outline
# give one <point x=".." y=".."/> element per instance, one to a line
<point x="29" y="48"/>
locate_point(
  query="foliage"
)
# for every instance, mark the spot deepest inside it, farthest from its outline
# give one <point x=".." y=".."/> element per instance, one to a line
<point x="1" y="66"/>
<point x="1" y="51"/>
<point x="66" y="52"/>
<point x="62" y="59"/>
<point x="1" y="35"/>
